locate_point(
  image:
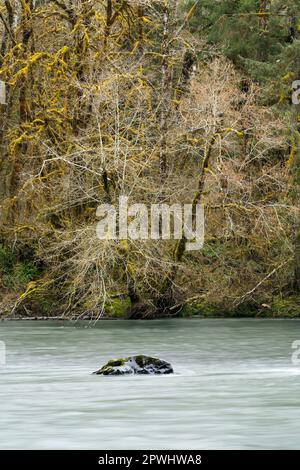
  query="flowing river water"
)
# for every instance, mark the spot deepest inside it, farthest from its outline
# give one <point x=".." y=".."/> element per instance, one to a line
<point x="235" y="385"/>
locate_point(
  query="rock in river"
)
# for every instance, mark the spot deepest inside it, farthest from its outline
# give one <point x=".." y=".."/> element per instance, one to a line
<point x="136" y="365"/>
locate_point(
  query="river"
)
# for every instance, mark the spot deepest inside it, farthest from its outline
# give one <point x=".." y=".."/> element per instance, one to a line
<point x="235" y="385"/>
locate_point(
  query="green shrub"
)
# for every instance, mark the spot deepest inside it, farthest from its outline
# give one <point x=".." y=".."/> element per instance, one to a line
<point x="286" y="306"/>
<point x="15" y="273"/>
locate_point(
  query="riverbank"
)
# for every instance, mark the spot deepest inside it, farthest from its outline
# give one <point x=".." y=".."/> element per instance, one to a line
<point x="280" y="307"/>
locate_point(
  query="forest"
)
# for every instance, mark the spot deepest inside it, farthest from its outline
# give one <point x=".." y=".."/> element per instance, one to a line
<point x="162" y="101"/>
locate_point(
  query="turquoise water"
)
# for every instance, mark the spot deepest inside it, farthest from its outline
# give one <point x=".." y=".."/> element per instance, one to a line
<point x="234" y="387"/>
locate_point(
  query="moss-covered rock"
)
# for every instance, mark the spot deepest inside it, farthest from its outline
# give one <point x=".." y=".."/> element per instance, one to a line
<point x="142" y="365"/>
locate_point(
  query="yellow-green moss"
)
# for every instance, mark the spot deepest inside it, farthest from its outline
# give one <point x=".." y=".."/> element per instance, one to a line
<point x="117" y="307"/>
